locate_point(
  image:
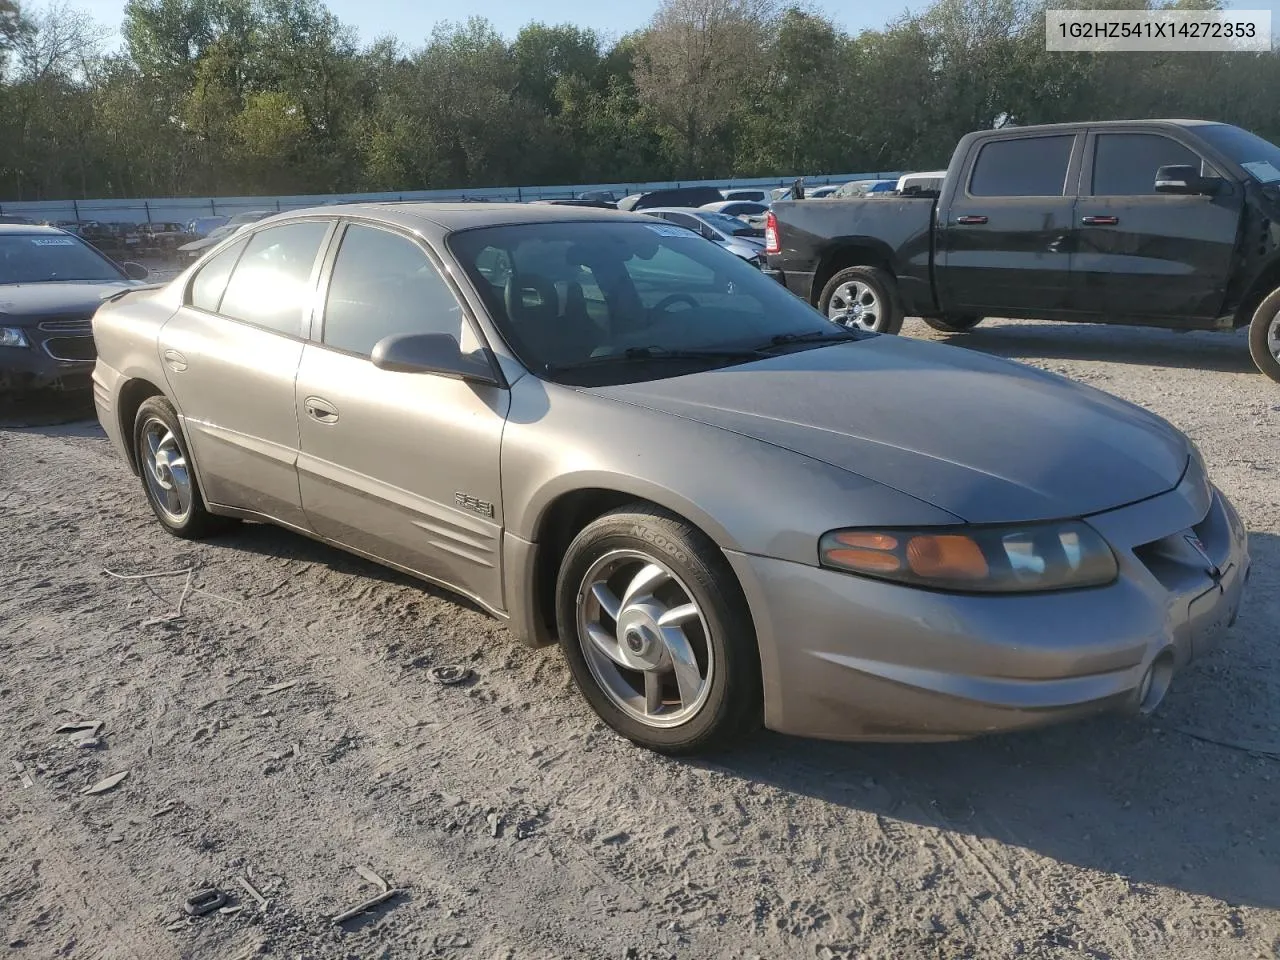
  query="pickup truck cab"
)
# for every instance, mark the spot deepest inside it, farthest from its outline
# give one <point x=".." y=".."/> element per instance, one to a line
<point x="1163" y="223"/>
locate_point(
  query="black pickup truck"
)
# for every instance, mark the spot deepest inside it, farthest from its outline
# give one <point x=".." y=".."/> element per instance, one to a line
<point x="1161" y="223"/>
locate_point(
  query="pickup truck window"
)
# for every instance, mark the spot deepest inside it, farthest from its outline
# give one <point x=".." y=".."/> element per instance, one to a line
<point x="1261" y="158"/>
<point x="1125" y="164"/>
<point x="1023" y="167"/>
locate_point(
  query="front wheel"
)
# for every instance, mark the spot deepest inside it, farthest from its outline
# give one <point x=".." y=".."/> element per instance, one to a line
<point x="864" y="298"/>
<point x="1264" y="336"/>
<point x="952" y="324"/>
<point x="656" y="632"/>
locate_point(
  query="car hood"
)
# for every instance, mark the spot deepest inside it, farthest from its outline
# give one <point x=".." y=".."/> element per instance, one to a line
<point x="20" y="301"/>
<point x="985" y="439"/>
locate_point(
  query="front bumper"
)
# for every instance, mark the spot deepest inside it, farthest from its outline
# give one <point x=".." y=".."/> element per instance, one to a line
<point x="851" y="658"/>
<point x="55" y="361"/>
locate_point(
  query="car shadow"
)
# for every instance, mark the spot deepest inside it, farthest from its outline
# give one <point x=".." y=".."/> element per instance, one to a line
<point x="42" y="410"/>
<point x="268" y="540"/>
<point x="1196" y="349"/>
<point x="1143" y="798"/>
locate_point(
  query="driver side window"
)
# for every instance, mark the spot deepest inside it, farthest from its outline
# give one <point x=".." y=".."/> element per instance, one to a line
<point x="383" y="284"/>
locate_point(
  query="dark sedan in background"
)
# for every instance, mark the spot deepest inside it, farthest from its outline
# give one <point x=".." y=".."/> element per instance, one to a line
<point x="51" y="282"/>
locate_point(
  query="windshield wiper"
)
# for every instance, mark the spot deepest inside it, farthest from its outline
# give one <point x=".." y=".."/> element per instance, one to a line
<point x="814" y="336"/>
<point x="634" y="354"/>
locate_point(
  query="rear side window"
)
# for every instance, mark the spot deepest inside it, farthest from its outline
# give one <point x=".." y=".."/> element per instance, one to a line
<point x="383" y="285"/>
<point x="1125" y="164"/>
<point x="269" y="286"/>
<point x="1026" y="167"/>
<point x="211" y="280"/>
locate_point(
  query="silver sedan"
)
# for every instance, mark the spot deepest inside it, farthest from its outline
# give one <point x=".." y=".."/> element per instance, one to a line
<point x="726" y="509"/>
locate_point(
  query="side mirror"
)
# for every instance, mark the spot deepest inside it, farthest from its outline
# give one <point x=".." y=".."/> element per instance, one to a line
<point x="1184" y="179"/>
<point x="135" y="271"/>
<point x="437" y="353"/>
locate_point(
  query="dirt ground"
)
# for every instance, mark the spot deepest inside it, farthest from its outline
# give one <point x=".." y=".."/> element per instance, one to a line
<point x="283" y="731"/>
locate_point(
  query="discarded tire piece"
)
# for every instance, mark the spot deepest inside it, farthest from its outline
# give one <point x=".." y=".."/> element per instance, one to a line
<point x="449" y="675"/>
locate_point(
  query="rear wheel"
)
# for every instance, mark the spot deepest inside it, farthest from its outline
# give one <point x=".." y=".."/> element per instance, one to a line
<point x="952" y="324"/>
<point x="864" y="298"/>
<point x="656" y="633"/>
<point x="1264" y="336"/>
<point x="164" y="461"/>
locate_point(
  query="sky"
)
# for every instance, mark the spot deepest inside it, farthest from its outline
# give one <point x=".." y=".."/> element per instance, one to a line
<point x="412" y="20"/>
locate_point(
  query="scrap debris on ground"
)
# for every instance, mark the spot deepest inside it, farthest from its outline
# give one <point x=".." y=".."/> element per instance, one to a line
<point x="269" y="712"/>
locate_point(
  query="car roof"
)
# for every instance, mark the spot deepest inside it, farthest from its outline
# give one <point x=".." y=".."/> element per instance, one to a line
<point x="28" y="229"/>
<point x="452" y="217"/>
<point x="694" y="211"/>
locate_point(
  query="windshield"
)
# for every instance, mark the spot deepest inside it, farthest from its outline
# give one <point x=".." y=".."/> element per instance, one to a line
<point x="573" y="297"/>
<point x="727" y="224"/>
<point x="39" y="258"/>
<point x="1261" y="158"/>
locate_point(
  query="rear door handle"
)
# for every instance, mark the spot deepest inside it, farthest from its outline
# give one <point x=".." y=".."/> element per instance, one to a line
<point x="319" y="410"/>
<point x="1100" y="221"/>
<point x="176" y="361"/>
<point x="970" y="219"/>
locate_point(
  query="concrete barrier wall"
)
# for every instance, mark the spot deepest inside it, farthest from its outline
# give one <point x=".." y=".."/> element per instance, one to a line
<point x="184" y="209"/>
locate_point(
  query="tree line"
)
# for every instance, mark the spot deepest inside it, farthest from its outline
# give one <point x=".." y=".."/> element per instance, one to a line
<point x="243" y="97"/>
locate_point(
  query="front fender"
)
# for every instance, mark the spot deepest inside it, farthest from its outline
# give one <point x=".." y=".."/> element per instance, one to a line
<point x="746" y="495"/>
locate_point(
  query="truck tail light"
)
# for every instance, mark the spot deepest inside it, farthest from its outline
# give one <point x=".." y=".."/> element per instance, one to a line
<point x="771" y="242"/>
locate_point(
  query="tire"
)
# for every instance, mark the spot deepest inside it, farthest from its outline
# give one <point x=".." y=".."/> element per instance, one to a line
<point x="867" y="288"/>
<point x="716" y="697"/>
<point x="1264" y="336"/>
<point x="169" y="485"/>
<point x="952" y="324"/>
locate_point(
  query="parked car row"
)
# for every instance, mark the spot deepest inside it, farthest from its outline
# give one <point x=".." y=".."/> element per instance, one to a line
<point x="613" y="434"/>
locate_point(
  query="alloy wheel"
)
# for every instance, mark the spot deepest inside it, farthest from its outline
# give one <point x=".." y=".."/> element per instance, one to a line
<point x="855" y="304"/>
<point x="165" y="468"/>
<point x="644" y="638"/>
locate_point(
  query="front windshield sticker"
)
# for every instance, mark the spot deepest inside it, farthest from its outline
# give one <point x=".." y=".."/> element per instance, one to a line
<point x="54" y="242"/>
<point x="1262" y="170"/>
<point x="670" y="231"/>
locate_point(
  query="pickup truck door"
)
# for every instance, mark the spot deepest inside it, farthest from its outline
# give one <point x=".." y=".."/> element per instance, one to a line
<point x="1005" y="235"/>
<point x="1146" y="255"/>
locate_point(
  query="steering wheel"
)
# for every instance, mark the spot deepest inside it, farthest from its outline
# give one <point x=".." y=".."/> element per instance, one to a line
<point x="672" y="300"/>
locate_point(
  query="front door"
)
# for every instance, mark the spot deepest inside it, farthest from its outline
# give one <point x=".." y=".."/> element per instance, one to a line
<point x="1005" y="240"/>
<point x="399" y="466"/>
<point x="231" y="354"/>
<point x="1146" y="255"/>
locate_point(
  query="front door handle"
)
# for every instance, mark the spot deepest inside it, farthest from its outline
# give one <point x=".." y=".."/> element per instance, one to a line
<point x="971" y="219"/>
<point x="319" y="410"/>
<point x="1100" y="221"/>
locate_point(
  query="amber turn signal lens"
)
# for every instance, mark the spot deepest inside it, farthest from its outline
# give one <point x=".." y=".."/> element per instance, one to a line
<point x="869" y="541"/>
<point x="949" y="556"/>
<point x="868" y="561"/>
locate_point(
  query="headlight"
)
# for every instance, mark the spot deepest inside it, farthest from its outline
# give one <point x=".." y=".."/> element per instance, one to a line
<point x="1003" y="559"/>
<point x="13" y="337"/>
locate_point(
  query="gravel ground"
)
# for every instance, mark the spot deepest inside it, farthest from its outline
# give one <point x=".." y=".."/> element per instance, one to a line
<point x="283" y="730"/>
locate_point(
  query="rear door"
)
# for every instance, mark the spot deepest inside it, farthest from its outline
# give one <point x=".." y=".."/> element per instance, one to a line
<point x="1005" y="241"/>
<point x="399" y="466"/>
<point x="1146" y="255"/>
<point x="231" y="354"/>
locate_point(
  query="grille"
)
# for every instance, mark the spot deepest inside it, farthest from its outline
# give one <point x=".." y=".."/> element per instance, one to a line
<point x="67" y="325"/>
<point x="71" y="348"/>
